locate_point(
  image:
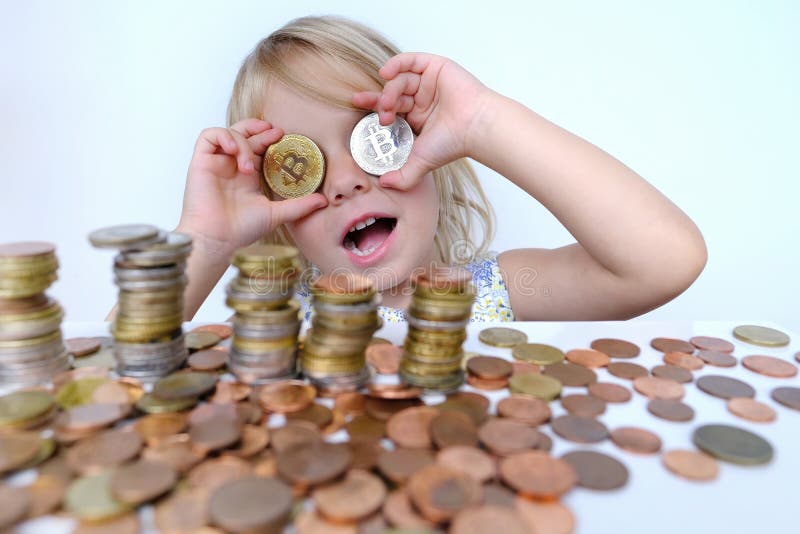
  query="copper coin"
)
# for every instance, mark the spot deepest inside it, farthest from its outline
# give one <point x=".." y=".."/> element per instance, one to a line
<point x="254" y="439"/>
<point x="82" y="346"/>
<point x="475" y="398"/>
<point x="16" y="450"/>
<point x="770" y="366"/>
<point x="590" y="358"/>
<point x="365" y="452"/>
<point x="751" y="409"/>
<point x="545" y="443"/>
<point x="712" y="343"/>
<point x="616" y="348"/>
<point x="658" y="388"/>
<point x="213" y="474"/>
<point x="142" y="481"/>
<point x="112" y="392"/>
<point x="176" y="450"/>
<point x="453" y="428"/>
<point x="206" y="412"/>
<point x="548" y="517"/>
<point x="294" y="434"/>
<point x="410" y="428"/>
<point x="668" y="344"/>
<point x="469" y="460"/>
<point x="350" y="403"/>
<point x="504" y="436"/>
<point x="788" y="396"/>
<point x="497" y="494"/>
<point x="398" y="465"/>
<point x="627" y="370"/>
<point x="109" y="448"/>
<point x="579" y="429"/>
<point x="686" y="361"/>
<point x="356" y="497"/>
<point x="365" y="426"/>
<point x="315" y="463"/>
<point x="717" y="359"/>
<point x="485" y="384"/>
<point x="538" y="475"/>
<point x="215" y="434"/>
<point x="570" y="374"/>
<point x="524" y="409"/>
<point x="91" y="416"/>
<point x="384" y="409"/>
<point x="208" y="360"/>
<point x="672" y="372"/>
<point x="122" y="524"/>
<point x="251" y="504"/>
<point x="670" y="410"/>
<point x="385" y="358"/>
<point x="439" y="492"/>
<point x="223" y="331"/>
<point x="46" y="495"/>
<point x="393" y="391"/>
<point x="597" y="471"/>
<point x="486" y="518"/>
<point x="286" y="396"/>
<point x="16" y="504"/>
<point x="227" y="392"/>
<point x="184" y="511"/>
<point x="610" y="392"/>
<point x="489" y="367"/>
<point x="153" y="428"/>
<point x="399" y="512"/>
<point x="724" y="387"/>
<point x="693" y="465"/>
<point x="320" y="415"/>
<point x="636" y="440"/>
<point x="583" y="405"/>
<point x="519" y="367"/>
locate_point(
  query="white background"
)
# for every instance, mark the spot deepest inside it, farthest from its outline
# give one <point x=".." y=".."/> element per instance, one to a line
<point x="101" y="103"/>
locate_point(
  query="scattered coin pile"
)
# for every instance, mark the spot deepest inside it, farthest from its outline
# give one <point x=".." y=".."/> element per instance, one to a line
<point x="149" y="272"/>
<point x="31" y="347"/>
<point x="266" y="322"/>
<point x="345" y="315"/>
<point x="437" y="320"/>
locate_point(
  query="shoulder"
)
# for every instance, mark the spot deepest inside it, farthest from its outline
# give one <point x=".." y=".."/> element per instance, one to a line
<point x="491" y="301"/>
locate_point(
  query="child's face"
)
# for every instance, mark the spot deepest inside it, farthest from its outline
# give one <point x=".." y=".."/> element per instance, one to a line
<point x="401" y="237"/>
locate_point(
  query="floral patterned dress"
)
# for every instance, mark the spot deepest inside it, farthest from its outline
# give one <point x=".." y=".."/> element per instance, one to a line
<point x="491" y="300"/>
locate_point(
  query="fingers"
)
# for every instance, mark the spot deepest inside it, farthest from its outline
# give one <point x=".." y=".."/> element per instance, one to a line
<point x="245" y="157"/>
<point x="259" y="134"/>
<point x="230" y="142"/>
<point x="292" y="209"/>
<point x="407" y="176"/>
<point x="407" y="62"/>
<point x="405" y="84"/>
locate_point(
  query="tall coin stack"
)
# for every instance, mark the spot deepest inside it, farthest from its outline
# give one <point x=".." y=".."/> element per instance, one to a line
<point x="345" y="317"/>
<point x="149" y="272"/>
<point x="266" y="322"/>
<point x="31" y="347"/>
<point x="437" y="318"/>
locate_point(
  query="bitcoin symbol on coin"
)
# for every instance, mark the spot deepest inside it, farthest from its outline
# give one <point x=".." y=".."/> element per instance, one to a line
<point x="295" y="167"/>
<point x="381" y="138"/>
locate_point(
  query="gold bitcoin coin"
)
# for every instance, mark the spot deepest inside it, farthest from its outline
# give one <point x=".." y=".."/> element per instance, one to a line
<point x="294" y="166"/>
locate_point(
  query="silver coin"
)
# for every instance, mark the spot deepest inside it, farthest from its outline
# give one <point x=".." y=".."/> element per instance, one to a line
<point x="125" y="236"/>
<point x="379" y="149"/>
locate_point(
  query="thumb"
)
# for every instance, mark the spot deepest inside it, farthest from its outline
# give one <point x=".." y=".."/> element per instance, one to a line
<point x="407" y="176"/>
<point x="292" y="209"/>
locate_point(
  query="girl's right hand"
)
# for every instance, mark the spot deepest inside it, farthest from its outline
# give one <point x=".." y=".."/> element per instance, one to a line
<point x="223" y="203"/>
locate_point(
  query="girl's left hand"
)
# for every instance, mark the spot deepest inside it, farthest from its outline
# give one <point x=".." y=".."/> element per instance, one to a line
<point x="442" y="103"/>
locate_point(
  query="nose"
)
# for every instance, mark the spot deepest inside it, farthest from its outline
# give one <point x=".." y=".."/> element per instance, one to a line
<point x="344" y="179"/>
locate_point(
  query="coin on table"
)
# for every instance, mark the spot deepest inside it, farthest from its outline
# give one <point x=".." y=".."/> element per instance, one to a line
<point x="384" y="357"/>
<point x="543" y="387"/>
<point x="669" y="344"/>
<point x="314" y="463"/>
<point x="638" y="440"/>
<point x="725" y="387"/>
<point x="453" y="428"/>
<point x="287" y="396"/>
<point x="654" y="387"/>
<point x="579" y="429"/>
<point x="82" y="346"/>
<point x="90" y="498"/>
<point x="125" y="236"/>
<point x="22" y="406"/>
<point x="505" y="437"/>
<point x="670" y="410"/>
<point x="732" y="444"/>
<point x="751" y="409"/>
<point x="769" y="366"/>
<point x="16" y="504"/>
<point x="609" y="392"/>
<point x="590" y="358"/>
<point x="184" y="385"/>
<point x="672" y="372"/>
<point x="761" y="335"/>
<point x="502" y="336"/>
<point x="379" y="149"/>
<point x="471" y="460"/>
<point x="487" y="518"/>
<point x="596" y="470"/>
<point x="570" y="374"/>
<point x="356" y="497"/>
<point x="691" y="464"/>
<point x="681" y="359"/>
<point x="208" y="360"/>
<point x="224" y="331"/>
<point x="627" y="370"/>
<point x="583" y="405"/>
<point x="525" y="409"/>
<point x="489" y="367"/>
<point x="294" y="166"/>
<point x="399" y="465"/>
<point x="16" y="450"/>
<point x="538" y="475"/>
<point x="788" y="396"/>
<point x="717" y="359"/>
<point x="201" y="340"/>
<point x="105" y="450"/>
<point x="538" y="353"/>
<point x="545" y="516"/>
<point x="142" y="481"/>
<point x="439" y="492"/>
<point x="616" y="348"/>
<point x="714" y="344"/>
<point x="251" y="504"/>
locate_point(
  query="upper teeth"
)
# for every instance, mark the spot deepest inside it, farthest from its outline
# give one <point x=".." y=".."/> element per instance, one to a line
<point x="362" y="224"/>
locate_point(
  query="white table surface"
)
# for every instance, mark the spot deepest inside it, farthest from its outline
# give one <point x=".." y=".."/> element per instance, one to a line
<point x="743" y="499"/>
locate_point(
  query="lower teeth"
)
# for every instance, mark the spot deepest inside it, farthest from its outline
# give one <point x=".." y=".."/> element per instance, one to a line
<point x="355" y="250"/>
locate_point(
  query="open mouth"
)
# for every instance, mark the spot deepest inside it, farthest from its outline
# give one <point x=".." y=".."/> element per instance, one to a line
<point x="364" y="237"/>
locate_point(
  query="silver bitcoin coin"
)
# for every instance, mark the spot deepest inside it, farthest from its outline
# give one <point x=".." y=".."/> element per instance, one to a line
<point x="379" y="149"/>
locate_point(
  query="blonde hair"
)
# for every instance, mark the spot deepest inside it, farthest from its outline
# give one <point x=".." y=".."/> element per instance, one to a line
<point x="466" y="219"/>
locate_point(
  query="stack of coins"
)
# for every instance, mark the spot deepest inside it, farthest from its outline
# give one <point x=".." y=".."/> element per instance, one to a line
<point x="437" y="318"/>
<point x="149" y="272"/>
<point x="31" y="347"/>
<point x="345" y="315"/>
<point x="266" y="322"/>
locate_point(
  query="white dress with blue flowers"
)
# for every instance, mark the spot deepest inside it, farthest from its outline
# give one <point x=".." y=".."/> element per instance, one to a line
<point x="491" y="300"/>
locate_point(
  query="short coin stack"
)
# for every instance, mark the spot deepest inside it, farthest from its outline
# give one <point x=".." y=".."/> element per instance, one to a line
<point x="149" y="272"/>
<point x="437" y="318"/>
<point x="31" y="347"/>
<point x="266" y="322"/>
<point x="345" y="317"/>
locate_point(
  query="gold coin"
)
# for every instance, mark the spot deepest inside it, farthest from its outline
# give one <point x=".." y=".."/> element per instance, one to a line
<point x="761" y="335"/>
<point x="541" y="386"/>
<point x="23" y="406"/>
<point x="502" y="337"/>
<point x="151" y="404"/>
<point x="90" y="498"/>
<point x="294" y="166"/>
<point x="78" y="392"/>
<point x="184" y="385"/>
<point x="538" y="353"/>
<point x="201" y="340"/>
